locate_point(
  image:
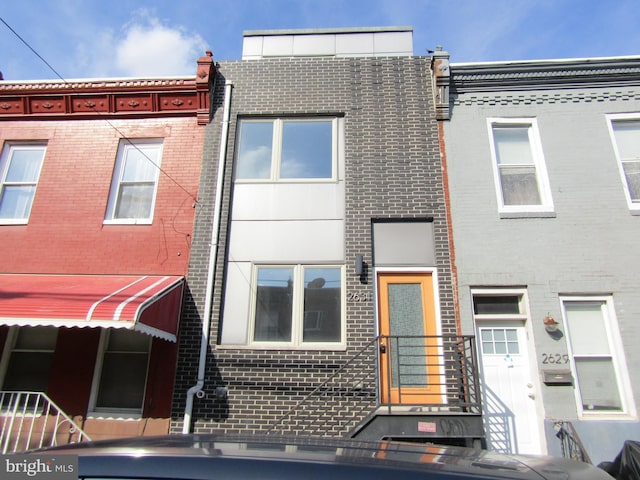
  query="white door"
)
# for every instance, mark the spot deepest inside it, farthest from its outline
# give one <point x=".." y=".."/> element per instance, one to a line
<point x="511" y="415"/>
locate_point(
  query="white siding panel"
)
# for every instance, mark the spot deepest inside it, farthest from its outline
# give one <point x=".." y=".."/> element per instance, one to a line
<point x="290" y="201"/>
<point x="287" y="241"/>
<point x="236" y="304"/>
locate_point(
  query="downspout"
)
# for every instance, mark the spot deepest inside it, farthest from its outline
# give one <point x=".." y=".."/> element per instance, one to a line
<point x="211" y="273"/>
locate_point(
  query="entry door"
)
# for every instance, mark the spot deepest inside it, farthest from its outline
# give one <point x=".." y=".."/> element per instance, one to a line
<point x="410" y="362"/>
<point x="510" y="411"/>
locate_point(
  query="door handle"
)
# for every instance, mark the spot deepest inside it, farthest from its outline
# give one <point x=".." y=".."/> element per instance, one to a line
<point x="383" y="348"/>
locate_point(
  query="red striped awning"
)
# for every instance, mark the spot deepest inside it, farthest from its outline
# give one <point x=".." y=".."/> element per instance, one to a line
<point x="150" y="304"/>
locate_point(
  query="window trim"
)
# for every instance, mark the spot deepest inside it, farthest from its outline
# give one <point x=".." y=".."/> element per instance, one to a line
<point x="297" y="319"/>
<point x="7" y="153"/>
<point x="634" y="207"/>
<point x="116" y="180"/>
<point x="546" y="206"/>
<point x="617" y="358"/>
<point x="523" y="303"/>
<point x="103" y="412"/>
<point x="276" y="148"/>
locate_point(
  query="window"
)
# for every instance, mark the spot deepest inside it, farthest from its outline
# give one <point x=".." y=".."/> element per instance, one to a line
<point x="519" y="169"/>
<point x="121" y="372"/>
<point x="30" y="359"/>
<point x="135" y="181"/>
<point x="503" y="306"/>
<point x="286" y="149"/>
<point x="626" y="135"/>
<point x="20" y="167"/>
<point x="601" y="383"/>
<point x="298" y="304"/>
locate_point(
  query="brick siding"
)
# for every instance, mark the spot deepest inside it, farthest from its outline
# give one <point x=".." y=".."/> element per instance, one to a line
<point x="393" y="170"/>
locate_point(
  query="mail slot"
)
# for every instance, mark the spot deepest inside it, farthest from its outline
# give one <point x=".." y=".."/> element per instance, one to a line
<point x="557" y="377"/>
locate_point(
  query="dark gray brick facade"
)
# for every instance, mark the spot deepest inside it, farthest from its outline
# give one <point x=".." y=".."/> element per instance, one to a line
<point x="393" y="170"/>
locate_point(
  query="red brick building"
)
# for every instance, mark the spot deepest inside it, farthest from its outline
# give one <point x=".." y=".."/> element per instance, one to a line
<point x="98" y="195"/>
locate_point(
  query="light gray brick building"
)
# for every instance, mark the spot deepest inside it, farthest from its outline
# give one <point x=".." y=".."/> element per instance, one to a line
<point x="542" y="160"/>
<point x="320" y="275"/>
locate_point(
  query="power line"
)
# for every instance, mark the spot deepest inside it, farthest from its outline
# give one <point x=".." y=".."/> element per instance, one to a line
<point x="122" y="135"/>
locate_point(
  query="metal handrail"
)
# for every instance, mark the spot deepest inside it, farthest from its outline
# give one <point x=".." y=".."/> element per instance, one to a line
<point x="570" y="443"/>
<point x="30" y="420"/>
<point x="352" y="392"/>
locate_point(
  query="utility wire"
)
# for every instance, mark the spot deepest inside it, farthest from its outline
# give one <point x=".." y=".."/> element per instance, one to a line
<point x="124" y="137"/>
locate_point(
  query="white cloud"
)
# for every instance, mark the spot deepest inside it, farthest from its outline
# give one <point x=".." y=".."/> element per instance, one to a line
<point x="149" y="48"/>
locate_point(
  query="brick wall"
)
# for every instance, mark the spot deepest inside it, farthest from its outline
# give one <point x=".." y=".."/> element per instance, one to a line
<point x="65" y="233"/>
<point x="393" y="170"/>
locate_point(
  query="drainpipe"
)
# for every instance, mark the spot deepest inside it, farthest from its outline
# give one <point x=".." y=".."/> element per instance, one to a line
<point x="213" y="253"/>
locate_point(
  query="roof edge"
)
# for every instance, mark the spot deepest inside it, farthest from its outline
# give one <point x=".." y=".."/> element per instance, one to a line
<point x="324" y="31"/>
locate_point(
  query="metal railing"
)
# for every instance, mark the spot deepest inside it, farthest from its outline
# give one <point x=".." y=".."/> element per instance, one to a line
<point x="445" y="364"/>
<point x="30" y="420"/>
<point x="434" y="371"/>
<point x="570" y="442"/>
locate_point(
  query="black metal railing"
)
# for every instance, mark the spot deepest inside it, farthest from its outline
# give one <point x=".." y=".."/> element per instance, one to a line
<point x="570" y="442"/>
<point x="434" y="371"/>
<point x="430" y="372"/>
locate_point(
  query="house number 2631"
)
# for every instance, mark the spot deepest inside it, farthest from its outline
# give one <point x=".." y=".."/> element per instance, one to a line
<point x="358" y="297"/>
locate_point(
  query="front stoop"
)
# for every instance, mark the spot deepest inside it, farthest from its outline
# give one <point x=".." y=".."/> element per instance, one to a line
<point x="424" y="425"/>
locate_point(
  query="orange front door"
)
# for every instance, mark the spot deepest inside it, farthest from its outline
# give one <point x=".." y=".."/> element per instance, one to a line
<point x="410" y="352"/>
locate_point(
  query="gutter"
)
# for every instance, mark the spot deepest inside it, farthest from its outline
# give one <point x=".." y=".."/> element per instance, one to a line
<point x="196" y="390"/>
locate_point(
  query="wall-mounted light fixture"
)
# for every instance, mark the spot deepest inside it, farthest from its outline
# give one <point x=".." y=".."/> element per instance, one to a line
<point x="359" y="267"/>
<point x="550" y="324"/>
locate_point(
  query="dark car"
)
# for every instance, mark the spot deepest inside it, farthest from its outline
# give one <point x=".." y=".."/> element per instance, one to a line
<point x="194" y="457"/>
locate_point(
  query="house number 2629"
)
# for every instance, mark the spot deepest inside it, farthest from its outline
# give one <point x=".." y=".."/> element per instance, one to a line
<point x="358" y="297"/>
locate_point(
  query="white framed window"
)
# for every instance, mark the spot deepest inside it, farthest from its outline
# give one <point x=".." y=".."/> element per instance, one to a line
<point x="297" y="305"/>
<point x="625" y="133"/>
<point x="27" y="358"/>
<point x="135" y="181"/>
<point x="597" y="360"/>
<point x="522" y="183"/>
<point x="287" y="149"/>
<point x="120" y="378"/>
<point x="20" y="167"/>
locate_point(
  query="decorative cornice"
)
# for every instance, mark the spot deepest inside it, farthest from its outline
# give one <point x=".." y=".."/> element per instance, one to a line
<point x="544" y="98"/>
<point x="545" y="75"/>
<point x="114" y="98"/>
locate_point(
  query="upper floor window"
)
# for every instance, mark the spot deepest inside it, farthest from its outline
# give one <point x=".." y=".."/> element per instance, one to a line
<point x="520" y="174"/>
<point x="626" y="135"/>
<point x="298" y="304"/>
<point x="602" y="384"/>
<point x="20" y="167"/>
<point x="287" y="149"/>
<point x="135" y="181"/>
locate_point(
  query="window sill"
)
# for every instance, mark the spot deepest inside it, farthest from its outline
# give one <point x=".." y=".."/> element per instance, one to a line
<point x="7" y="221"/>
<point x="527" y="214"/>
<point x="113" y="416"/>
<point x="613" y="416"/>
<point x="635" y="211"/>
<point x="128" y="222"/>
<point x="338" y="347"/>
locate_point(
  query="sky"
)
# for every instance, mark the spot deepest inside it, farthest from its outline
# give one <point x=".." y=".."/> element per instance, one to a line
<point x="71" y="39"/>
